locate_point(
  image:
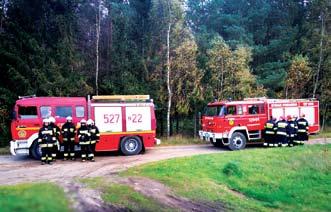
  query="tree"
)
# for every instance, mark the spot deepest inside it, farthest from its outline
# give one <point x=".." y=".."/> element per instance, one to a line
<point x="298" y="76"/>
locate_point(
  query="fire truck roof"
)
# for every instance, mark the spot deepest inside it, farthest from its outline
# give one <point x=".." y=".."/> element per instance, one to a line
<point x="258" y="101"/>
<point x="50" y="100"/>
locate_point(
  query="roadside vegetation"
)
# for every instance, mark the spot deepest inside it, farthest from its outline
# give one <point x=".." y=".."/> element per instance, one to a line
<point x="181" y="140"/>
<point x="33" y="197"/>
<point x="122" y="196"/>
<point x="287" y="179"/>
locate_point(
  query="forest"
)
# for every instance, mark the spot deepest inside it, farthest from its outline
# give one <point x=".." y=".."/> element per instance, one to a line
<point x="184" y="53"/>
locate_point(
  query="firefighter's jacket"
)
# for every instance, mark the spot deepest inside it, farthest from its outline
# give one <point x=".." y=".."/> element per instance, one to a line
<point x="281" y="128"/>
<point x="303" y="126"/>
<point x="291" y="129"/>
<point x="56" y="131"/>
<point x="46" y="137"/>
<point x="270" y="127"/>
<point x="68" y="132"/>
<point x="84" y="135"/>
<point x="94" y="133"/>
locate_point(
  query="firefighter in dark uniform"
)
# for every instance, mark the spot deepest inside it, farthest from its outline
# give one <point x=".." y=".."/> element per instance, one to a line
<point x="45" y="140"/>
<point x="281" y="133"/>
<point x="56" y="135"/>
<point x="68" y="133"/>
<point x="291" y="130"/>
<point x="303" y="130"/>
<point x="84" y="139"/>
<point x="269" y="132"/>
<point x="95" y="137"/>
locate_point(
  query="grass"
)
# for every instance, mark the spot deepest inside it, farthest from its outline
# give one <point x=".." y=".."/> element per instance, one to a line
<point x="33" y="197"/>
<point x="4" y="150"/>
<point x="123" y="195"/>
<point x="181" y="140"/>
<point x="286" y="179"/>
<point x="326" y="133"/>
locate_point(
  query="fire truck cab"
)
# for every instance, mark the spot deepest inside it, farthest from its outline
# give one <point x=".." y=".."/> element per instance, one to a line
<point x="126" y="123"/>
<point x="236" y="123"/>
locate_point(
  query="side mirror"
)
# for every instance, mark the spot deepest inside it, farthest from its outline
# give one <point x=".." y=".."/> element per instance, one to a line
<point x="13" y="115"/>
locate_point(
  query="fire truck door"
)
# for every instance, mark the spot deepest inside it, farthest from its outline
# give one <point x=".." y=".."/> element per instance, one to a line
<point x="108" y="119"/>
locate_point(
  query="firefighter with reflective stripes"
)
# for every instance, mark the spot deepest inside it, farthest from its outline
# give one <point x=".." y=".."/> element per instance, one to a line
<point x="269" y="133"/>
<point x="45" y="140"/>
<point x="303" y="130"/>
<point x="291" y="130"/>
<point x="68" y="133"/>
<point x="95" y="136"/>
<point x="56" y="136"/>
<point x="84" y="139"/>
<point x="281" y="133"/>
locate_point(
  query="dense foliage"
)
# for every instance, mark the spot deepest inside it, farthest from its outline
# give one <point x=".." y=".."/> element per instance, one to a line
<point x="218" y="49"/>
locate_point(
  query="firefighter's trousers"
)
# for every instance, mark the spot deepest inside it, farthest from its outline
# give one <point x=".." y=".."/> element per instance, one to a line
<point x="91" y="150"/>
<point x="46" y="153"/>
<point x="84" y="150"/>
<point x="69" y="149"/>
<point x="302" y="137"/>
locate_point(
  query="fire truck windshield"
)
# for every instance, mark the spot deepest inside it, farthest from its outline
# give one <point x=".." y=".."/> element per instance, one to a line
<point x="215" y="110"/>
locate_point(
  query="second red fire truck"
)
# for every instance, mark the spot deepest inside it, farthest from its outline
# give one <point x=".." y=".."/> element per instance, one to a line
<point x="126" y="123"/>
<point x="236" y="123"/>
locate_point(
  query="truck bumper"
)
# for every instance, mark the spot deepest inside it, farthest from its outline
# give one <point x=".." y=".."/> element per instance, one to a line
<point x="19" y="147"/>
<point x="209" y="136"/>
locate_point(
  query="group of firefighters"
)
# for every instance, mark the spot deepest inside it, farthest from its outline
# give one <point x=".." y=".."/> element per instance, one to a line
<point x="49" y="134"/>
<point x="290" y="132"/>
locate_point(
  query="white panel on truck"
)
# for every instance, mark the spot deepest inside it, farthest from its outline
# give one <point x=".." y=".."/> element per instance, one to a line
<point x="108" y="119"/>
<point x="309" y="114"/>
<point x="138" y="118"/>
<point x="292" y="111"/>
<point x="277" y="112"/>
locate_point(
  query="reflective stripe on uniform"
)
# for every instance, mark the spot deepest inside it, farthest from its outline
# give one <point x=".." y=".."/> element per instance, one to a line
<point x="53" y="155"/>
<point x="65" y="154"/>
<point x="92" y="130"/>
<point x="301" y="130"/>
<point x="65" y="130"/>
<point x="269" y="132"/>
<point x="282" y="125"/>
<point x="91" y="155"/>
<point x="72" y="154"/>
<point x="47" y="132"/>
<point x="49" y="158"/>
<point x="281" y="133"/>
<point x="302" y="122"/>
<point x="72" y="129"/>
<point x="269" y="125"/>
<point x="83" y="156"/>
<point x="43" y="145"/>
<point x="43" y="158"/>
<point x="72" y="139"/>
<point x="65" y="139"/>
<point x="98" y="134"/>
<point x="93" y="142"/>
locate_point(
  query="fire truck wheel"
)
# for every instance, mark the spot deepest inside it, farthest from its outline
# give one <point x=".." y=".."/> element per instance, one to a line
<point x="35" y="150"/>
<point x="237" y="141"/>
<point x="131" y="145"/>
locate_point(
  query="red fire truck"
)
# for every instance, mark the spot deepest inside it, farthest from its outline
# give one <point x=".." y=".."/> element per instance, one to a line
<point x="126" y="123"/>
<point x="236" y="123"/>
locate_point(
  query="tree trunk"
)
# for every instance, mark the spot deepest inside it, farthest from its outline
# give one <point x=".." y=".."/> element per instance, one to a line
<point x="97" y="25"/>
<point x="168" y="72"/>
<point x="320" y="54"/>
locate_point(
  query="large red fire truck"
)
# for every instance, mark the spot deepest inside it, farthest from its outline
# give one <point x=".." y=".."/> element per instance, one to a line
<point x="126" y="123"/>
<point x="236" y="123"/>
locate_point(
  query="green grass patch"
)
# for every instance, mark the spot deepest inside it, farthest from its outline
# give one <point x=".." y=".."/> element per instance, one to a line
<point x="33" y="197"/>
<point x="123" y="195"/>
<point x="287" y="179"/>
<point x="4" y="150"/>
<point x="180" y="140"/>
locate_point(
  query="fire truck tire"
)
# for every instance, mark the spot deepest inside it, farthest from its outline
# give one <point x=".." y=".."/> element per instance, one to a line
<point x="131" y="145"/>
<point x="237" y="141"/>
<point x="35" y="150"/>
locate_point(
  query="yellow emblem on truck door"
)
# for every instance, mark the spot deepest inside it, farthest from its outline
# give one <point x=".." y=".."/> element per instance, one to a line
<point x="21" y="133"/>
<point x="231" y="122"/>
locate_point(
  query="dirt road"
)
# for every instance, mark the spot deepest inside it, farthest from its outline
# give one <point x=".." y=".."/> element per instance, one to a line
<point x="23" y="169"/>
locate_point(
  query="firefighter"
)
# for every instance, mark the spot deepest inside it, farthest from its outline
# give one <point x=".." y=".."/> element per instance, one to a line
<point x="95" y="136"/>
<point x="56" y="136"/>
<point x="303" y="130"/>
<point x="270" y="130"/>
<point x="282" y="137"/>
<point x="45" y="140"/>
<point x="68" y="133"/>
<point x="291" y="130"/>
<point x="84" y="138"/>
